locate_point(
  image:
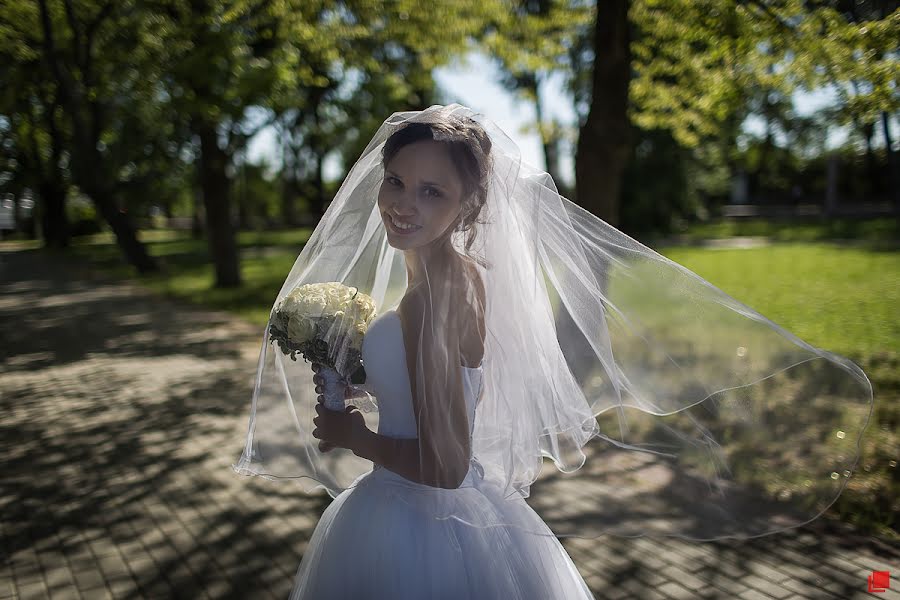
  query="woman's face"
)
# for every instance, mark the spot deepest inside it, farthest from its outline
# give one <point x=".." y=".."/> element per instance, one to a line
<point x="420" y="187"/>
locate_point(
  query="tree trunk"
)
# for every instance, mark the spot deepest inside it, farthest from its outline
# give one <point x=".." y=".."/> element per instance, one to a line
<point x="243" y="211"/>
<point x="99" y="187"/>
<point x="318" y="152"/>
<point x="126" y="234"/>
<point x="53" y="188"/>
<point x="220" y="230"/>
<point x="289" y="192"/>
<point x="870" y="189"/>
<point x="316" y="187"/>
<point x="26" y="225"/>
<point x="86" y="117"/>
<point x="604" y="146"/>
<point x="604" y="142"/>
<point x="893" y="167"/>
<point x="197" y="213"/>
<point x="319" y="183"/>
<point x="831" y="191"/>
<point x="54" y="222"/>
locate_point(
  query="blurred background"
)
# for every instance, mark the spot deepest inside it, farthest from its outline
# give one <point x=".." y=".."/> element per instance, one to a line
<point x="190" y="147"/>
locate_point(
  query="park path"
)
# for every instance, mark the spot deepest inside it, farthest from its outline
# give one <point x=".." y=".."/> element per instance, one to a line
<point x="123" y="411"/>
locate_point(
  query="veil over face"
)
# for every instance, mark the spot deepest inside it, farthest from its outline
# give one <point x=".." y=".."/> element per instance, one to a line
<point x="665" y="406"/>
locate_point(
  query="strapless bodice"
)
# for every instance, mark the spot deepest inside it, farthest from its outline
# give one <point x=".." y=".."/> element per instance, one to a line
<point x="387" y="378"/>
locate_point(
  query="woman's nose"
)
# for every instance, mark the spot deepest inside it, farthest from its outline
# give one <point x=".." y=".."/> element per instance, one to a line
<point x="406" y="205"/>
<point x="404" y="212"/>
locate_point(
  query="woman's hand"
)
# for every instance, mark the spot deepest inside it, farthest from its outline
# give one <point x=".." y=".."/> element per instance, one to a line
<point x="338" y="429"/>
<point x="334" y="428"/>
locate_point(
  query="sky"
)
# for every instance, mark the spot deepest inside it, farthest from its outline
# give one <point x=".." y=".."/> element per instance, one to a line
<point x="473" y="82"/>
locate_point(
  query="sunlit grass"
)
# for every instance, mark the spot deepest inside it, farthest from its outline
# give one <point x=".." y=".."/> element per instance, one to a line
<point x="845" y="300"/>
<point x="266" y="259"/>
<point x="841" y="299"/>
<point x="868" y="230"/>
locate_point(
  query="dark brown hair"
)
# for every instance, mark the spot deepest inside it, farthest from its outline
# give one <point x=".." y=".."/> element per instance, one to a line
<point x="470" y="150"/>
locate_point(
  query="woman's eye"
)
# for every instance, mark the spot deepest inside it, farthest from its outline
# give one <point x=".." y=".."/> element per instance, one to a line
<point x="432" y="192"/>
<point x="393" y="181"/>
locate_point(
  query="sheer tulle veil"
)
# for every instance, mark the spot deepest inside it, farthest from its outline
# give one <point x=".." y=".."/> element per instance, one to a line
<point x="665" y="406"/>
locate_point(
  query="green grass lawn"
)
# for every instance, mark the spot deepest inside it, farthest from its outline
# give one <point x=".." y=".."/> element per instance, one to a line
<point x="840" y="298"/>
<point x="266" y="260"/>
<point x="874" y="231"/>
<point x="845" y="300"/>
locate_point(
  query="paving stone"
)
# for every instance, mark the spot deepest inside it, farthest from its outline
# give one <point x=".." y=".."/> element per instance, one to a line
<point x="89" y="579"/>
<point x="58" y="576"/>
<point x="773" y="574"/>
<point x="7" y="586"/>
<point x="114" y="567"/>
<point x="676" y="591"/>
<point x="610" y="592"/>
<point x="64" y="592"/>
<point x="124" y="588"/>
<point x="809" y="589"/>
<point x="652" y="578"/>
<point x="752" y="594"/>
<point x="766" y="586"/>
<point x="683" y="578"/>
<point x="32" y="591"/>
<point x="732" y="587"/>
<point x="156" y="588"/>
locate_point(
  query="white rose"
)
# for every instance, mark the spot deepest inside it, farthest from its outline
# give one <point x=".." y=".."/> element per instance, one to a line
<point x="316" y="304"/>
<point x="300" y="329"/>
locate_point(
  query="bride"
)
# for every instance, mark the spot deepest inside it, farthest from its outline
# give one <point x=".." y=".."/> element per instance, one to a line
<point x="367" y="544"/>
<point x="514" y="326"/>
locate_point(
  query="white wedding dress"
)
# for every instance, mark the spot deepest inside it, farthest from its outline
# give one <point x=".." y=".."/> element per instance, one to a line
<point x="377" y="539"/>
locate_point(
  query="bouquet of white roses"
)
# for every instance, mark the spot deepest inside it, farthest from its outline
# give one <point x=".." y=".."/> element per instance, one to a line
<point x="326" y="323"/>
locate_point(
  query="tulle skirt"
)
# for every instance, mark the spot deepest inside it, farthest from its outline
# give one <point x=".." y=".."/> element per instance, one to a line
<point x="373" y="542"/>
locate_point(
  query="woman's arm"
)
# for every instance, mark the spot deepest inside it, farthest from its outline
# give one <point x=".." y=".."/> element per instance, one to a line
<point x="439" y="407"/>
<point x="348" y="429"/>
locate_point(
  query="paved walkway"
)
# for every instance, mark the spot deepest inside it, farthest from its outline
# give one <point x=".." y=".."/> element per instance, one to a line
<point x="121" y="415"/>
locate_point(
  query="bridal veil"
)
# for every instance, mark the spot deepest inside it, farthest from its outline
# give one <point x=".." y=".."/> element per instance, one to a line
<point x="665" y="406"/>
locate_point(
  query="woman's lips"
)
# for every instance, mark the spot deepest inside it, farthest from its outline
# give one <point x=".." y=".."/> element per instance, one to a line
<point x="397" y="230"/>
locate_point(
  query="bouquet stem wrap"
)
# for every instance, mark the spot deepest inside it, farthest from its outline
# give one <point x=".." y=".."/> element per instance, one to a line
<point x="334" y="389"/>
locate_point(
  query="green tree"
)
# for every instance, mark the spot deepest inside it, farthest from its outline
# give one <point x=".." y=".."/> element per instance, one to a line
<point x="852" y="46"/>
<point x="224" y="57"/>
<point x="80" y="63"/>
<point x="32" y="143"/>
<point x="692" y="67"/>
<point x="531" y="39"/>
<point x="363" y="60"/>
